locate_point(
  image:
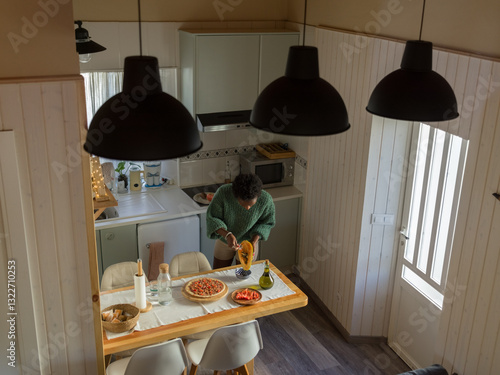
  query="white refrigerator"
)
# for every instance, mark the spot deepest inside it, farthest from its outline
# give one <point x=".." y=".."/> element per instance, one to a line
<point x="179" y="236"/>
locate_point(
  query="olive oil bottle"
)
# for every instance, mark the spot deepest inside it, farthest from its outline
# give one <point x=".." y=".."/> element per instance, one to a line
<point x="266" y="280"/>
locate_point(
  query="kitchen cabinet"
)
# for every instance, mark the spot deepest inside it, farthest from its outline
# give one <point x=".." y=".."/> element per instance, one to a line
<point x="281" y="246"/>
<point x="115" y="245"/>
<point x="179" y="235"/>
<point x="225" y="71"/>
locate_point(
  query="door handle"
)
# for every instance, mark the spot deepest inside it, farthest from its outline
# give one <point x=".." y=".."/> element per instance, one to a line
<point x="404" y="234"/>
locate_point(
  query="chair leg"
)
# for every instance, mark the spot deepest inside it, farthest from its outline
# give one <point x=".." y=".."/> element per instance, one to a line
<point x="229" y="372"/>
<point x="194" y="368"/>
<point x="242" y="370"/>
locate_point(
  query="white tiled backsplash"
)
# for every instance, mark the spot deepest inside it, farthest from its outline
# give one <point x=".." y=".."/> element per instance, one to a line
<point x="208" y="165"/>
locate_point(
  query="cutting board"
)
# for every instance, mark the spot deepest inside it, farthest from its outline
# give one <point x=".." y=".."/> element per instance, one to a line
<point x="274" y="151"/>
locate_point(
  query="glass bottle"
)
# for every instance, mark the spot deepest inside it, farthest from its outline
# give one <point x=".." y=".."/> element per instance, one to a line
<point x="164" y="285"/>
<point x="266" y="281"/>
<point x="227" y="175"/>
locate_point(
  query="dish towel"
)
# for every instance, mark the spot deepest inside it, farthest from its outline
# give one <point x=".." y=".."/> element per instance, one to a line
<point x="155" y="259"/>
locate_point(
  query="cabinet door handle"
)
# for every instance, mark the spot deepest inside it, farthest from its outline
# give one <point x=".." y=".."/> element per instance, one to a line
<point x="110" y="236"/>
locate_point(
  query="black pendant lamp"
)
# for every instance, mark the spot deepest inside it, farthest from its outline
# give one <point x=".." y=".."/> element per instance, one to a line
<point x="84" y="46"/>
<point x="142" y="122"/>
<point x="415" y="92"/>
<point x="300" y="103"/>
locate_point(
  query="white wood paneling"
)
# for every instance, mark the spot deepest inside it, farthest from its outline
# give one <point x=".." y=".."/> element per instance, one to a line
<point x="469" y="333"/>
<point x="345" y="185"/>
<point x="45" y="117"/>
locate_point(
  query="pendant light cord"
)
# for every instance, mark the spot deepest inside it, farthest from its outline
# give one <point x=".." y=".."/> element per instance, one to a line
<point x="140" y="29"/>
<point x="304" y="28"/>
<point x="422" y="22"/>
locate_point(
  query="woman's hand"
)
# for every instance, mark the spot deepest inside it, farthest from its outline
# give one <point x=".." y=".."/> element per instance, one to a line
<point x="255" y="239"/>
<point x="232" y="242"/>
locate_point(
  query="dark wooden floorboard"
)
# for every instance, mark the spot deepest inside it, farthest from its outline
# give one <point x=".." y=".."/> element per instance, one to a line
<point x="305" y="342"/>
<point x="321" y="351"/>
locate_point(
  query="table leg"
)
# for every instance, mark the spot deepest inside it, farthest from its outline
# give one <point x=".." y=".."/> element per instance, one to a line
<point x="250" y="367"/>
<point x="107" y="359"/>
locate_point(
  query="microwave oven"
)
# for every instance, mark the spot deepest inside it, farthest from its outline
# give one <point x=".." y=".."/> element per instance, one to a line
<point x="272" y="172"/>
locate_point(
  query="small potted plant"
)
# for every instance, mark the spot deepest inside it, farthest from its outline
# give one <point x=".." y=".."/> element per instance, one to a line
<point x="122" y="169"/>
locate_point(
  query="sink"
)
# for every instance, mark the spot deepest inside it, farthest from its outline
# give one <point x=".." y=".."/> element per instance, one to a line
<point x="108" y="213"/>
<point x="137" y="204"/>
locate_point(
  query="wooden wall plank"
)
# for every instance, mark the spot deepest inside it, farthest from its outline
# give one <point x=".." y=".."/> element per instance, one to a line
<point x="44" y="217"/>
<point x="476" y="237"/>
<point x="481" y="140"/>
<point x="485" y="330"/>
<point x="82" y="223"/>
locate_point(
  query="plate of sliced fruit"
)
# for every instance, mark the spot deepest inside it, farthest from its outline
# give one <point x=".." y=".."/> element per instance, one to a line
<point x="246" y="296"/>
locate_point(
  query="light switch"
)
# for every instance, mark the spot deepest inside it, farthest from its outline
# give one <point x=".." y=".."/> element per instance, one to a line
<point x="382" y="219"/>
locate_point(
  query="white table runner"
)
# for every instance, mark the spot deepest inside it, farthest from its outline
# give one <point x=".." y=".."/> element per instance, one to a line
<point x="182" y="309"/>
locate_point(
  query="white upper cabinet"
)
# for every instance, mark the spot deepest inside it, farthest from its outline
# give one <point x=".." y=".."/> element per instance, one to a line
<point x="273" y="56"/>
<point x="225" y="71"/>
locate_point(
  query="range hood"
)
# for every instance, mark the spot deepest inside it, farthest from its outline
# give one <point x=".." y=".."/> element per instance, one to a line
<point x="220" y="121"/>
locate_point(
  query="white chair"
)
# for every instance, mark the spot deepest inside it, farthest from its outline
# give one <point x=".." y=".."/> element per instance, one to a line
<point x="187" y="263"/>
<point x="166" y="358"/>
<point x="119" y="275"/>
<point x="229" y="348"/>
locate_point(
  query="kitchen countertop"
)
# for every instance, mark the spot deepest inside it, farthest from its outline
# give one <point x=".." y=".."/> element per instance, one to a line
<point x="168" y="202"/>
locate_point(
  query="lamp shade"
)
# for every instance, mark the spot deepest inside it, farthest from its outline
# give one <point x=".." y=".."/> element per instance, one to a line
<point x="142" y="122"/>
<point x="300" y="103"/>
<point x="83" y="43"/>
<point x="415" y="92"/>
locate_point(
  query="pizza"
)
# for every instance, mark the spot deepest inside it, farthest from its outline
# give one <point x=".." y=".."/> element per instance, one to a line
<point x="205" y="287"/>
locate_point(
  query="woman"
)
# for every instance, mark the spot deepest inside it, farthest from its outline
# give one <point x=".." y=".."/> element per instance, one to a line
<point x="239" y="211"/>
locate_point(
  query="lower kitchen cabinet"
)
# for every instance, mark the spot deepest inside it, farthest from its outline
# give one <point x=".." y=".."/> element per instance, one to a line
<point x="115" y="245"/>
<point x="281" y="246"/>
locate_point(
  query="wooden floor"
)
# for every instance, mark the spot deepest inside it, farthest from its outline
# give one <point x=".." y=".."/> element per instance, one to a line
<point x="304" y="341"/>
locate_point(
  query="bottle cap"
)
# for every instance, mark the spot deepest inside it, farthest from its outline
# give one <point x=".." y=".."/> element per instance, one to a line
<point x="164" y="267"/>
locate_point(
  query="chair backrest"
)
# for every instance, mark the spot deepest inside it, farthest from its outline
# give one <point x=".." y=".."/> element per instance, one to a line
<point x="232" y="346"/>
<point x="431" y="370"/>
<point x="187" y="263"/>
<point x="166" y="358"/>
<point x="119" y="275"/>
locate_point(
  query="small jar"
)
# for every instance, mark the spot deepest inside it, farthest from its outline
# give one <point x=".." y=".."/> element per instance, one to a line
<point x="164" y="285"/>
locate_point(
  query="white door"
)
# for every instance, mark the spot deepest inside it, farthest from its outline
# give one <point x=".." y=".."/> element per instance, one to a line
<point x="435" y="172"/>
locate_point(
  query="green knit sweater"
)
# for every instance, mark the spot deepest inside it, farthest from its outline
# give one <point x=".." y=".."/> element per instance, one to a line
<point x="225" y="212"/>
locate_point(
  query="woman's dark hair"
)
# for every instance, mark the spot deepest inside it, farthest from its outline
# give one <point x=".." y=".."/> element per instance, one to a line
<point x="247" y="187"/>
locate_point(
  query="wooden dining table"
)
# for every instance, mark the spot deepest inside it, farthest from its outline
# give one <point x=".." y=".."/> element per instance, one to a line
<point x="211" y="321"/>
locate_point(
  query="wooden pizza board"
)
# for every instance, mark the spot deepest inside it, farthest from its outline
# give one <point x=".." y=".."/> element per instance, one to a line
<point x="205" y="299"/>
